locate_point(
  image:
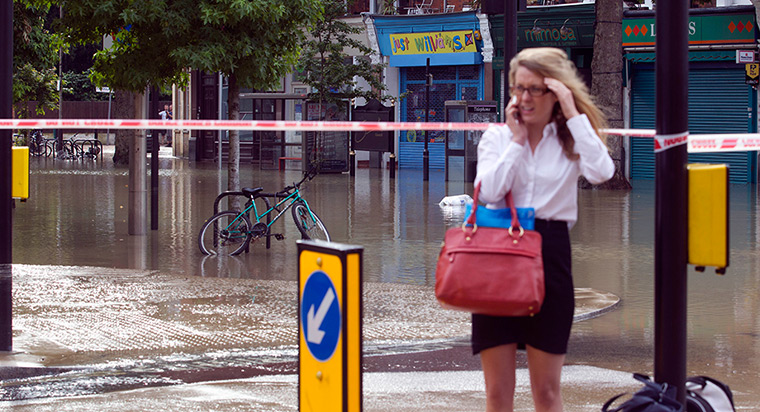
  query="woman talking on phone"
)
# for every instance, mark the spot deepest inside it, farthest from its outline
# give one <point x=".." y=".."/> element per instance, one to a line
<point x="551" y="137"/>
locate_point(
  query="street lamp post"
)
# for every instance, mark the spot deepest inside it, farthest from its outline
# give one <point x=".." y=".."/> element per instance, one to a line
<point x="671" y="195"/>
<point x="425" y="153"/>
<point x="6" y="202"/>
<point x="510" y="48"/>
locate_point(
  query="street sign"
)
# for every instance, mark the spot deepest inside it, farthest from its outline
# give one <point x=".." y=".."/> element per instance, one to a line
<point x="752" y="74"/>
<point x="320" y="316"/>
<point x="329" y="319"/>
<point x="745" y="56"/>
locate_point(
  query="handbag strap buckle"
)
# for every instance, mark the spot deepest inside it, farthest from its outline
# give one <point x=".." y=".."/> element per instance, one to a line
<point x="522" y="232"/>
<point x="474" y="227"/>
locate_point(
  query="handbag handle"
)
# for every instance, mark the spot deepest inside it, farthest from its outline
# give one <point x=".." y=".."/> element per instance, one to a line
<point x="510" y="204"/>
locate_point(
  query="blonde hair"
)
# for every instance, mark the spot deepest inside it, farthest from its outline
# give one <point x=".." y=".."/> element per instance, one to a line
<point x="552" y="62"/>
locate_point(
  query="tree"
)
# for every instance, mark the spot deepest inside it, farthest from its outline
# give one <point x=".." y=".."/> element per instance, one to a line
<point x="139" y="32"/>
<point x="35" y="56"/>
<point x="254" y="43"/>
<point x="607" y="81"/>
<point x="327" y="67"/>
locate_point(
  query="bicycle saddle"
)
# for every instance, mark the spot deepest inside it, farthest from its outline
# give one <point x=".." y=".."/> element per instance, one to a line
<point x="251" y="192"/>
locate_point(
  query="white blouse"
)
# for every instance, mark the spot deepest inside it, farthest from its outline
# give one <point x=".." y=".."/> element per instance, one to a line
<point x="546" y="179"/>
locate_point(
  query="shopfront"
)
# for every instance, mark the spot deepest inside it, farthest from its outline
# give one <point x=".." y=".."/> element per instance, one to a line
<point x="453" y="45"/>
<point x="569" y="27"/>
<point x="719" y="99"/>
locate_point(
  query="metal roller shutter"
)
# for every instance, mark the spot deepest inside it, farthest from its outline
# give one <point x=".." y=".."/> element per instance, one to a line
<point x="709" y="112"/>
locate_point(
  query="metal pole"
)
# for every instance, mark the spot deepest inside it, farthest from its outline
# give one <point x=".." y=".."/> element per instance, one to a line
<point x="425" y="153"/>
<point x="6" y="202"/>
<point x="108" y="130"/>
<point x="137" y="219"/>
<point x="510" y="47"/>
<point x="154" y="162"/>
<point x="59" y="132"/>
<point x="351" y="151"/>
<point x="220" y="117"/>
<point x="671" y="194"/>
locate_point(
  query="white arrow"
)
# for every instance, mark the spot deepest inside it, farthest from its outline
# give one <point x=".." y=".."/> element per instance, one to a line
<point x="314" y="322"/>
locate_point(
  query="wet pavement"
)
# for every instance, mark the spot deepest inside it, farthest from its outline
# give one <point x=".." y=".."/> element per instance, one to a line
<point x="87" y="334"/>
<point x="104" y="320"/>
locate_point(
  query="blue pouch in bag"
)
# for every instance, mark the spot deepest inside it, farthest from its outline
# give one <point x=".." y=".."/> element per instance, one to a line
<point x="502" y="218"/>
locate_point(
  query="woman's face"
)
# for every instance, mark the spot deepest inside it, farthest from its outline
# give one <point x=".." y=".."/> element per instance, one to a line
<point x="534" y="110"/>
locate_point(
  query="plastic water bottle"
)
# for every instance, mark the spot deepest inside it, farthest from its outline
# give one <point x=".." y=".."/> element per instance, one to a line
<point x="458" y="201"/>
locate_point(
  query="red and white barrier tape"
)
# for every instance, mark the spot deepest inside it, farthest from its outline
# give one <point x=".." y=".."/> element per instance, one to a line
<point x="234" y="125"/>
<point x="696" y="143"/>
<point x="100" y="124"/>
<point x="701" y="143"/>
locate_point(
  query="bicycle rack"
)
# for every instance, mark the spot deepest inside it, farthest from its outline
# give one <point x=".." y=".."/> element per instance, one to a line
<point x="94" y="149"/>
<point x="264" y="196"/>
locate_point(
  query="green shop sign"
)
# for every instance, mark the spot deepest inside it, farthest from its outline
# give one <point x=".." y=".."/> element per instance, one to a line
<point x="563" y="35"/>
<point x="717" y="29"/>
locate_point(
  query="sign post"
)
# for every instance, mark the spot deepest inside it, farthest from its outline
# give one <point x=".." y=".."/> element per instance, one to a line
<point x="330" y="327"/>
<point x="671" y="196"/>
<point x="6" y="203"/>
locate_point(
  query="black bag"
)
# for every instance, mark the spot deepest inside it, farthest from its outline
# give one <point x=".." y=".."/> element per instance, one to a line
<point x="653" y="397"/>
<point x="705" y="394"/>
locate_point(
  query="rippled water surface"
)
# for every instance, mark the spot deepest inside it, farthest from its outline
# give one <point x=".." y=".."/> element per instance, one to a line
<point x="77" y="216"/>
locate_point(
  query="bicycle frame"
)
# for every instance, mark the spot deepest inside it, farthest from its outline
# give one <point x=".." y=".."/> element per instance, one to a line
<point x="234" y="230"/>
<point x="293" y="198"/>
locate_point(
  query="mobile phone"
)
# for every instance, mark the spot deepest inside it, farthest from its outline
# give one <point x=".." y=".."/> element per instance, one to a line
<point x="516" y="113"/>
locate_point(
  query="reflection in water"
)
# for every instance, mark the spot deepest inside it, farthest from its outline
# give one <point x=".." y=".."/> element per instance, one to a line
<point x="77" y="215"/>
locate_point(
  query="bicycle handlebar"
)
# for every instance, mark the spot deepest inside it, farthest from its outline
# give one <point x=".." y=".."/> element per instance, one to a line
<point x="309" y="174"/>
<point x="285" y="192"/>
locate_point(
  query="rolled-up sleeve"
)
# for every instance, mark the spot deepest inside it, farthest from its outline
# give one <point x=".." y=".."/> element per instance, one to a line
<point x="595" y="162"/>
<point x="497" y="154"/>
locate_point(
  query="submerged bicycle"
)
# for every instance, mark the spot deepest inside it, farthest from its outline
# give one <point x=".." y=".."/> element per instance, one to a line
<point x="230" y="232"/>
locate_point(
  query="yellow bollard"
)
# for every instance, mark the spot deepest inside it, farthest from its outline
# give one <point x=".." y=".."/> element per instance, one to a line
<point x="708" y="216"/>
<point x="20" y="172"/>
<point x="330" y="327"/>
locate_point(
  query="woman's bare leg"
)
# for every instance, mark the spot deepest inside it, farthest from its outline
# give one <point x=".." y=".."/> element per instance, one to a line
<point x="545" y="372"/>
<point x="499" y="370"/>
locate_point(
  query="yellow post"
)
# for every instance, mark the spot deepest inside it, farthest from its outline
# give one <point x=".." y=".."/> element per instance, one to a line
<point x="20" y="172"/>
<point x="708" y="216"/>
<point x="330" y="327"/>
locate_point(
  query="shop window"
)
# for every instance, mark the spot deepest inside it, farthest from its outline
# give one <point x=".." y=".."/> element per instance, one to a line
<point x="469" y="72"/>
<point x="701" y="4"/>
<point x="551" y="2"/>
<point x="449" y="83"/>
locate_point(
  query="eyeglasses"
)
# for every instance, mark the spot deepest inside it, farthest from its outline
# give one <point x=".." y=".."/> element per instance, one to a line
<point x="534" y="91"/>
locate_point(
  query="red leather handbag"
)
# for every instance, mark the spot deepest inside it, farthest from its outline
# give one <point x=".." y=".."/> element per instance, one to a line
<point x="492" y="271"/>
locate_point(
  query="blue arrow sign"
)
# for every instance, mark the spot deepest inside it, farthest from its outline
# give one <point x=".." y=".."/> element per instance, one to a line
<point x="320" y="316"/>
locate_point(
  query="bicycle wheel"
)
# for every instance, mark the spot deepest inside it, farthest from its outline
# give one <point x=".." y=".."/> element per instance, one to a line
<point x="309" y="228"/>
<point x="225" y="234"/>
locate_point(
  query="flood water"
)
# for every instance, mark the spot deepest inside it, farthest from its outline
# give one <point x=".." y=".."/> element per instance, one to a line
<point x="77" y="216"/>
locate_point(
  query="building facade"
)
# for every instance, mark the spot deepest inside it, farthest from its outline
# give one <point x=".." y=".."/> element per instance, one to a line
<point x="720" y="100"/>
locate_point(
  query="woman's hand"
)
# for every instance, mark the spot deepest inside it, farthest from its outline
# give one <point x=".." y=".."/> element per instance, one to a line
<point x="564" y="96"/>
<point x="519" y="131"/>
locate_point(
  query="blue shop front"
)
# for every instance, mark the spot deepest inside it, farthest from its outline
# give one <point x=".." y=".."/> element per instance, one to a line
<point x="453" y="43"/>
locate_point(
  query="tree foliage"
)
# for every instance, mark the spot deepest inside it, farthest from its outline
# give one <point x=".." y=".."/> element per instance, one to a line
<point x="79" y="87"/>
<point x="326" y="65"/>
<point x="35" y="56"/>
<point x="253" y="42"/>
<point x="155" y="40"/>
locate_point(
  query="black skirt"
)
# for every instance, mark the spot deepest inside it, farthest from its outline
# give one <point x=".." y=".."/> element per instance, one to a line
<point x="549" y="330"/>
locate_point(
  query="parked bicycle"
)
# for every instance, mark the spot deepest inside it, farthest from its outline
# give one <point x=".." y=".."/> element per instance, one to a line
<point x="230" y="232"/>
<point x="37" y="144"/>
